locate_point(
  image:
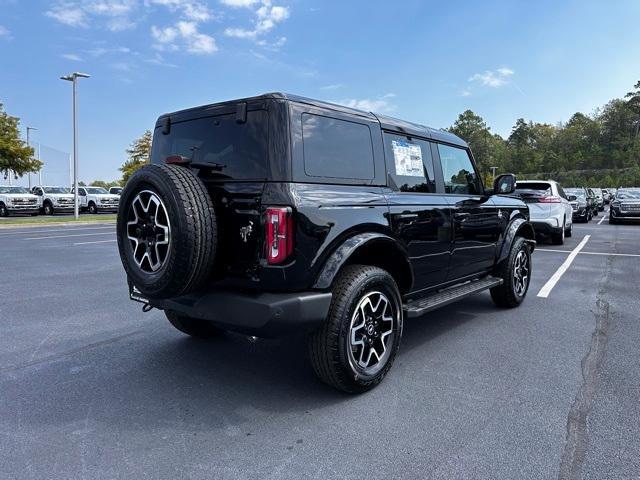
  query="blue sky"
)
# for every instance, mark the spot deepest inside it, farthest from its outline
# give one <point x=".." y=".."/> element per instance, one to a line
<point x="419" y="60"/>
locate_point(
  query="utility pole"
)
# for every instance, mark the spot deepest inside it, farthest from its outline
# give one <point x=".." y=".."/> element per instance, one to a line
<point x="28" y="145"/>
<point x="73" y="78"/>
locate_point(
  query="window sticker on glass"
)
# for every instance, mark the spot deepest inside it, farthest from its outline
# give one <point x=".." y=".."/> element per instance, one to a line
<point x="408" y="158"/>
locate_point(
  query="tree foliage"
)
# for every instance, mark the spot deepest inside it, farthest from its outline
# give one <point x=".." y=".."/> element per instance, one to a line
<point x="104" y="184"/>
<point x="601" y="149"/>
<point x="139" y="154"/>
<point x="16" y="157"/>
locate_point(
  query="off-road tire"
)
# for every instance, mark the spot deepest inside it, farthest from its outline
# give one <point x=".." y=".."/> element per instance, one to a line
<point x="191" y="253"/>
<point x="328" y="345"/>
<point x="193" y="326"/>
<point x="504" y="295"/>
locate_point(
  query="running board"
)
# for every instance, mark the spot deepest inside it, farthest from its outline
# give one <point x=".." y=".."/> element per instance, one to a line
<point x="449" y="295"/>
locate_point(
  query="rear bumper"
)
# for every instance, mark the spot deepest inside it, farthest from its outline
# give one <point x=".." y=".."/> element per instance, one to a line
<point x="546" y="226"/>
<point x="581" y="214"/>
<point x="268" y="315"/>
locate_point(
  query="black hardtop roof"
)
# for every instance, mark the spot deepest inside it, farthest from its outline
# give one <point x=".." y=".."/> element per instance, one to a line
<point x="386" y="122"/>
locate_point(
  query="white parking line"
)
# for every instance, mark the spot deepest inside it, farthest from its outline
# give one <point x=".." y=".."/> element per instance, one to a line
<point x="73" y="235"/>
<point x="602" y="219"/>
<point x="97" y="241"/>
<point x="546" y="289"/>
<point x="588" y="253"/>
<point x="37" y="232"/>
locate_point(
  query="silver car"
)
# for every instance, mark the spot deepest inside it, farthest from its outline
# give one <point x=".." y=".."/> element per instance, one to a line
<point x="550" y="210"/>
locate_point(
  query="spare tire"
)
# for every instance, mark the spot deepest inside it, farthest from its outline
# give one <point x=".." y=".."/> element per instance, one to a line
<point x="167" y="231"/>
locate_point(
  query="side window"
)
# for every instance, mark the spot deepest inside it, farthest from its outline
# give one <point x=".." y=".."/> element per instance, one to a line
<point x="458" y="171"/>
<point x="561" y="192"/>
<point x="336" y="148"/>
<point x="409" y="163"/>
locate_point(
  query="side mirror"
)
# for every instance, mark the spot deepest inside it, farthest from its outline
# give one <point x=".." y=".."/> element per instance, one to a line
<point x="572" y="198"/>
<point x="504" y="184"/>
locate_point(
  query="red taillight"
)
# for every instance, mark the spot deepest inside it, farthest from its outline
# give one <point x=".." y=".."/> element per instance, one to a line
<point x="279" y="234"/>
<point x="551" y="199"/>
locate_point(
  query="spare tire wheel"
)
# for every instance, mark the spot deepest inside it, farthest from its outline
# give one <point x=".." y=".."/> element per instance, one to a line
<point x="167" y="231"/>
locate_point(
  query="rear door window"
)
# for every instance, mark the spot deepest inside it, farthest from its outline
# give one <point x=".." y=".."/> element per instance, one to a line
<point x="335" y="148"/>
<point x="240" y="150"/>
<point x="409" y="163"/>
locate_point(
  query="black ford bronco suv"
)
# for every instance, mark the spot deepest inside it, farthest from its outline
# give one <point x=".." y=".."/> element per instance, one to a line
<point x="278" y="214"/>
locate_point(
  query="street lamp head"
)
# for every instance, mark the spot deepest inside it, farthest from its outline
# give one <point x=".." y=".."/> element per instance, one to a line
<point x="72" y="76"/>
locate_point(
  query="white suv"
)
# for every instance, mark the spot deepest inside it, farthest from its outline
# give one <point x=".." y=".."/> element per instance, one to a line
<point x="549" y="208"/>
<point x="97" y="199"/>
<point x="53" y="199"/>
<point x="17" y="200"/>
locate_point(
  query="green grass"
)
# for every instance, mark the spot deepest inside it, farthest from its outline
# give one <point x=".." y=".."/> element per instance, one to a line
<point x="40" y="219"/>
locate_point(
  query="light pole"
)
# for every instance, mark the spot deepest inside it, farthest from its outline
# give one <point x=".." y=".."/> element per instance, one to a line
<point x="493" y="172"/>
<point x="28" y="145"/>
<point x="73" y="78"/>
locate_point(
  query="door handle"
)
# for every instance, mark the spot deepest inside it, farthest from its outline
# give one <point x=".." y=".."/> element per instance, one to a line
<point x="461" y="214"/>
<point x="407" y="215"/>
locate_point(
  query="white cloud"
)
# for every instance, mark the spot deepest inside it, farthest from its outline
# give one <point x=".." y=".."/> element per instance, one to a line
<point x="4" y="32"/>
<point x="159" y="60"/>
<point x="68" y="14"/>
<point x="334" y="86"/>
<point x="493" y="79"/>
<point x="78" y="13"/>
<point x="267" y="16"/>
<point x="193" y="10"/>
<point x="380" y="104"/>
<point x="239" y="3"/>
<point x="188" y="34"/>
<point x="72" y="56"/>
<point x="465" y="93"/>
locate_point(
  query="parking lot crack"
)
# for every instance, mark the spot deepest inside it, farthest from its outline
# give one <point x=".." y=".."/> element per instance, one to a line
<point x="577" y="438"/>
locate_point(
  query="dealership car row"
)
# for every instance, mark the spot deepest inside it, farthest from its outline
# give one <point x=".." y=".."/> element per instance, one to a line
<point x="51" y="199"/>
<point x="553" y="209"/>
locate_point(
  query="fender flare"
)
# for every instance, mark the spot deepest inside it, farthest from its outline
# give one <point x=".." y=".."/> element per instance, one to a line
<point x="350" y="246"/>
<point x="518" y="227"/>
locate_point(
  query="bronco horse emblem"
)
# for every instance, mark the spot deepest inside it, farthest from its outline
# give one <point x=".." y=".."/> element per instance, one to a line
<point x="246" y="231"/>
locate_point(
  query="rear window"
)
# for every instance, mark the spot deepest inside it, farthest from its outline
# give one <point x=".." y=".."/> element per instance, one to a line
<point x="241" y="149"/>
<point x="539" y="187"/>
<point x="336" y="148"/>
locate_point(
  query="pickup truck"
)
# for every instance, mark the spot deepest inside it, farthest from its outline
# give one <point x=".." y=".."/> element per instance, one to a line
<point x="17" y="200"/>
<point x="53" y="199"/>
<point x="97" y="199"/>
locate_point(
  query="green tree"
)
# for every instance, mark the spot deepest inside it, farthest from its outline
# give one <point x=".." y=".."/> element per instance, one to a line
<point x="16" y="157"/>
<point x="103" y="184"/>
<point x="139" y="154"/>
<point x="488" y="149"/>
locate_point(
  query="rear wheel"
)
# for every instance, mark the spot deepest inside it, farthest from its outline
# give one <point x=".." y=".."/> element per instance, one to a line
<point x="193" y="326"/>
<point x="569" y="231"/>
<point x="515" y="272"/>
<point x="356" y="347"/>
<point x="558" y="238"/>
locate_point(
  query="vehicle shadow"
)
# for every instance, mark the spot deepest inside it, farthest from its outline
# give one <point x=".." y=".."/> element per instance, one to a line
<point x="166" y="379"/>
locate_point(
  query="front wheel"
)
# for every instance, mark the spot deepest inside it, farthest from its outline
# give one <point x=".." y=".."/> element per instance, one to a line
<point x="515" y="272"/>
<point x="355" y="348"/>
<point x="193" y="326"/>
<point x="92" y="209"/>
<point x="48" y="209"/>
<point x="4" y="211"/>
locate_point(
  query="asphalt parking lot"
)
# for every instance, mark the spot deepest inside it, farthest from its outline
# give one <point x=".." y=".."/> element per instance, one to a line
<point x="90" y="387"/>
